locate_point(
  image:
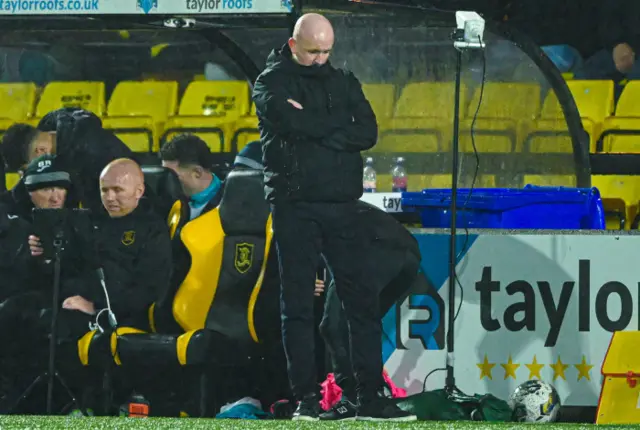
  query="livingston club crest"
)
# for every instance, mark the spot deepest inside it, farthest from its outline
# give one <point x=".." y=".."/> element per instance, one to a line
<point x="244" y="257"/>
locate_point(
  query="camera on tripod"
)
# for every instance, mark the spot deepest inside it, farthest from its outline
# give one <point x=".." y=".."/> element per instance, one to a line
<point x="56" y="227"/>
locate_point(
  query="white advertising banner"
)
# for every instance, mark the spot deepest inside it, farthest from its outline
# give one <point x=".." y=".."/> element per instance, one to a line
<point x="389" y="202"/>
<point x="532" y="306"/>
<point x="134" y="7"/>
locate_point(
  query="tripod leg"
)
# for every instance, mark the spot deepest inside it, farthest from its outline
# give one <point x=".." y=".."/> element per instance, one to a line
<point x="11" y="402"/>
<point x="72" y="396"/>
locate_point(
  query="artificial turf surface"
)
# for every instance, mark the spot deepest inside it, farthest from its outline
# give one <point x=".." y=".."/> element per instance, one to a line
<point x="43" y="422"/>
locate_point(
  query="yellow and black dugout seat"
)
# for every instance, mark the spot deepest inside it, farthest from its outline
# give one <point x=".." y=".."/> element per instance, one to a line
<point x="164" y="189"/>
<point x="228" y="297"/>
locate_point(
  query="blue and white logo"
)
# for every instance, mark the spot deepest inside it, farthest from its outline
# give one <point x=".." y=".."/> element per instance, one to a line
<point x="147" y="5"/>
<point x="288" y="4"/>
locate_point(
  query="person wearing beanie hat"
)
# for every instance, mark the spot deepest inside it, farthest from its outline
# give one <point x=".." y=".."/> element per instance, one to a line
<point x="45" y="185"/>
<point x="250" y="156"/>
<point x="190" y="158"/>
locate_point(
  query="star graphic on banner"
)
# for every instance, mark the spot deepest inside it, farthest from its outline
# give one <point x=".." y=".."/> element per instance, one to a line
<point x="485" y="368"/>
<point x="558" y="369"/>
<point x="510" y="368"/>
<point x="583" y="369"/>
<point x="534" y="368"/>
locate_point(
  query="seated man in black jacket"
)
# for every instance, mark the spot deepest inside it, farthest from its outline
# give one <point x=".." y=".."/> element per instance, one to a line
<point x="46" y="186"/>
<point x="133" y="250"/>
<point x="83" y="146"/>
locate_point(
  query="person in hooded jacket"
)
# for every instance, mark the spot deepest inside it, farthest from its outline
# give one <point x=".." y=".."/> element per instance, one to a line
<point x="46" y="186"/>
<point x="314" y="121"/>
<point x="77" y="137"/>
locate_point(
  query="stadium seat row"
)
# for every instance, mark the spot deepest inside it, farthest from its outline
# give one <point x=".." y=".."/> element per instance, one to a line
<point x="512" y="116"/>
<point x="142" y="113"/>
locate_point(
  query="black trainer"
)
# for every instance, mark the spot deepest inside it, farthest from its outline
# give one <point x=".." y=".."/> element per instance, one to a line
<point x="381" y="409"/>
<point x="308" y="409"/>
<point x="344" y="410"/>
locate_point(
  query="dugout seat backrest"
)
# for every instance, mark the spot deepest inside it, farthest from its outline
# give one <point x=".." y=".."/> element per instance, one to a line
<point x="594" y="99"/>
<point x="81" y="94"/>
<point x="628" y="102"/>
<point x="229" y="246"/>
<point x="511" y="100"/>
<point x="381" y="97"/>
<point x="219" y="99"/>
<point x="156" y="99"/>
<point x="428" y="99"/>
<point x="17" y="100"/>
<point x="164" y="186"/>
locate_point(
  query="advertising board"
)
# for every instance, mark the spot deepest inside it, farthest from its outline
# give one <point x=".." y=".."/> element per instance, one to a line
<point x="135" y="7"/>
<point x="532" y="305"/>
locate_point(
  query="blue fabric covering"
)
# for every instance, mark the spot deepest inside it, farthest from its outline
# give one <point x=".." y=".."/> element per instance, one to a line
<point x="244" y="411"/>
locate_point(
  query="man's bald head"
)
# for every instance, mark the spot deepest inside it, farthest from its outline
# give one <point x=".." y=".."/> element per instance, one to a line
<point x="312" y="40"/>
<point x="121" y="187"/>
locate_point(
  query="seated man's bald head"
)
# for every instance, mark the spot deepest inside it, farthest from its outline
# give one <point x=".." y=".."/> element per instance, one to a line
<point x="312" y="40"/>
<point x="121" y="187"/>
<point x="124" y="166"/>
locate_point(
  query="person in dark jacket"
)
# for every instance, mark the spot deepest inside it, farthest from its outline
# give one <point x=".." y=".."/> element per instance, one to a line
<point x="396" y="262"/>
<point x="314" y="121"/>
<point x="83" y="146"/>
<point x="131" y="245"/>
<point x="14" y="254"/>
<point x="618" y="43"/>
<point x="46" y="184"/>
<point x="190" y="157"/>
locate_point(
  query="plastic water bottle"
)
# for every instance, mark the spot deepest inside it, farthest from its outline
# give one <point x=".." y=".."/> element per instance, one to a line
<point x="399" y="176"/>
<point x="369" y="178"/>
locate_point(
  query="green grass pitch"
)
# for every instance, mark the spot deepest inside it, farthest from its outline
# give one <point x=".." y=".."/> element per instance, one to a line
<point x="99" y="423"/>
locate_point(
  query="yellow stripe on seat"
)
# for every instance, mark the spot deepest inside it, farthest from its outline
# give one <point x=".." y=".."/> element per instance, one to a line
<point x="84" y="343"/>
<point x="114" y="340"/>
<point x="152" y="320"/>
<point x="181" y="346"/>
<point x="256" y="289"/>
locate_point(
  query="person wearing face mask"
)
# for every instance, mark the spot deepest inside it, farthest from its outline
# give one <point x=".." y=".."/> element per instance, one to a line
<point x="314" y="122"/>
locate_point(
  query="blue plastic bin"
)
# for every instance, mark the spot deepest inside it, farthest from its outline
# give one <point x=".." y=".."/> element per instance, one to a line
<point x="531" y="207"/>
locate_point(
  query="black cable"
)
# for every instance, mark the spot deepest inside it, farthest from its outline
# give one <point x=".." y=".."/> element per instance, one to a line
<point x="424" y="383"/>
<point x="475" y="174"/>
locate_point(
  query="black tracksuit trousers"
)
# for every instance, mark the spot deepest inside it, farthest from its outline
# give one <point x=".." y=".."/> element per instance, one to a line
<point x="333" y="327"/>
<point x="303" y="231"/>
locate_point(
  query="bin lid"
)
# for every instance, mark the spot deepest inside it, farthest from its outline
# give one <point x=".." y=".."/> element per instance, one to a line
<point x="622" y="356"/>
<point x="498" y="199"/>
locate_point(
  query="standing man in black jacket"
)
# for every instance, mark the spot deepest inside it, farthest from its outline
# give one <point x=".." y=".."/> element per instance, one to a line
<point x="314" y="122"/>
